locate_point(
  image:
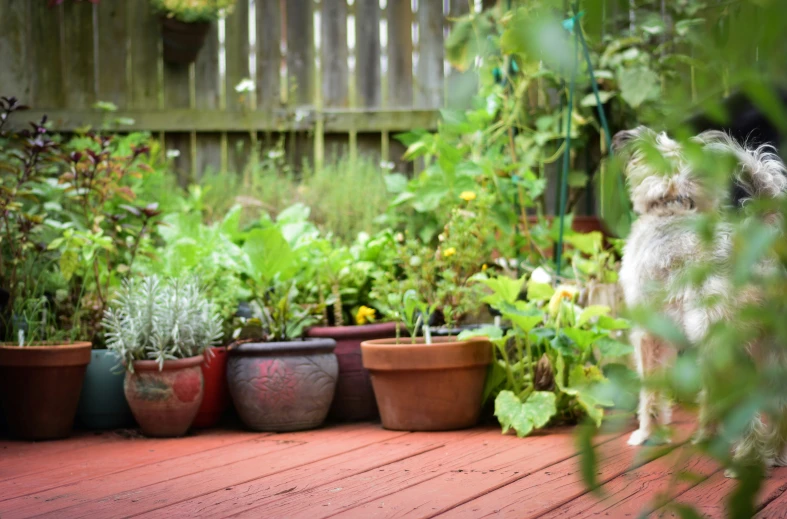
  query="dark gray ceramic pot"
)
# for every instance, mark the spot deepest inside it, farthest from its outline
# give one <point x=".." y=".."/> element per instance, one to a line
<point x="283" y="386"/>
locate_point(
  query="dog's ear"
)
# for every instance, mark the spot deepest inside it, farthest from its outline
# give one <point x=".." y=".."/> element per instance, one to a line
<point x="621" y="139"/>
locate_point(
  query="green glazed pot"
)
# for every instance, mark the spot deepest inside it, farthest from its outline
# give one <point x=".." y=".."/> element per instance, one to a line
<point x="102" y="404"/>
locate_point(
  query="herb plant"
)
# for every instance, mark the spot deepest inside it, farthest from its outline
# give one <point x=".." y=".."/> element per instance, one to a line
<point x="160" y="320"/>
<point x="191" y="11"/>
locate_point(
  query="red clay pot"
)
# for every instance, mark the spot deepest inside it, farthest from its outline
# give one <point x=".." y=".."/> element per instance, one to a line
<point x="165" y="402"/>
<point x="216" y="396"/>
<point x="40" y="387"/>
<point x="354" y="398"/>
<point x="434" y="387"/>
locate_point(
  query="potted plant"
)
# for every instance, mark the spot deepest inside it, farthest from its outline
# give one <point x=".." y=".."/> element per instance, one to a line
<point x="185" y="24"/>
<point x="427" y="384"/>
<point x="343" y="280"/>
<point x="41" y="364"/>
<point x="160" y="330"/>
<point x="278" y="380"/>
<point x="207" y="251"/>
<point x="547" y="367"/>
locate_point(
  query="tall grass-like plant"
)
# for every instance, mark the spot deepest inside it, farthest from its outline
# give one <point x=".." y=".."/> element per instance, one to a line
<point x="160" y="320"/>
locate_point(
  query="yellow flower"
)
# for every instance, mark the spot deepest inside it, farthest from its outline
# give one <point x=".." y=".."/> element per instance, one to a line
<point x="562" y="292"/>
<point x="484" y="267"/>
<point x="467" y="196"/>
<point x="365" y="315"/>
<point x="450" y="251"/>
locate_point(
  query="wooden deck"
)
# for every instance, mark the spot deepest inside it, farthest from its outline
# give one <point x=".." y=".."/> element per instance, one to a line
<point x="354" y="470"/>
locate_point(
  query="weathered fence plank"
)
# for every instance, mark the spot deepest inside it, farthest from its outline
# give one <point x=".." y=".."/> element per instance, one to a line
<point x="145" y="56"/>
<point x="207" y="89"/>
<point x="429" y="83"/>
<point x="78" y="56"/>
<point x="113" y="80"/>
<point x="268" y="73"/>
<point x="15" y="72"/>
<point x="334" y="53"/>
<point x="48" y="91"/>
<point x="238" y="145"/>
<point x="400" y="53"/>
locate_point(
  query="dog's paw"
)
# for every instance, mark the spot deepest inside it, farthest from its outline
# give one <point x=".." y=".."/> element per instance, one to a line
<point x="638" y="437"/>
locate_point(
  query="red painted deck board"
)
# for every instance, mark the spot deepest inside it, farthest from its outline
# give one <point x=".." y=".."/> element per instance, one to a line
<point x="353" y="470"/>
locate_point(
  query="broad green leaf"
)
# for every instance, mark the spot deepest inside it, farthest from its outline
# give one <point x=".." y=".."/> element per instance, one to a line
<point x="588" y="461"/>
<point x="590" y="312"/>
<point x="684" y="511"/>
<point x="611" y="323"/>
<point x="582" y="338"/>
<point x="395" y="183"/>
<point x="638" y="85"/>
<point x="523" y="417"/>
<point x="526" y="322"/>
<point x="539" y="291"/>
<point x="269" y="255"/>
<point x="609" y="348"/>
<point x="587" y="243"/>
<point x="505" y="289"/>
<point x="590" y="99"/>
<point x="69" y="261"/>
<point x="495" y="376"/>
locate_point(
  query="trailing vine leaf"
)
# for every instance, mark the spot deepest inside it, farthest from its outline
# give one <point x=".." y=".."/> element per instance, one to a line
<point x="523" y="417"/>
<point x="611" y="349"/>
<point x="580" y="384"/>
<point x="590" y="312"/>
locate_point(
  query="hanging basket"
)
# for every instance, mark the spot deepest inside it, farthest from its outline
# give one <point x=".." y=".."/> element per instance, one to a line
<point x="182" y="41"/>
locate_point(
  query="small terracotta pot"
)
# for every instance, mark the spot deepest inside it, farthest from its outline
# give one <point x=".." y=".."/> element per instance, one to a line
<point x="434" y="387"/>
<point x="182" y="41"/>
<point x="216" y="396"/>
<point x="354" y="398"/>
<point x="283" y="386"/>
<point x="40" y="387"/>
<point x="165" y="402"/>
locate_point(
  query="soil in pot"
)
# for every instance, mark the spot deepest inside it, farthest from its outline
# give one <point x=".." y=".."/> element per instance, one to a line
<point x="165" y="402"/>
<point x="40" y="387"/>
<point x="102" y="404"/>
<point x="434" y="387"/>
<point x="182" y="41"/>
<point x="282" y="386"/>
<point x="354" y="397"/>
<point x="216" y="396"/>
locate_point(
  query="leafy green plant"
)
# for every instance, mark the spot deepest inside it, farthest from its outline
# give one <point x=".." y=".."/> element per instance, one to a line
<point x="546" y="368"/>
<point x="190" y="11"/>
<point x="160" y="320"/>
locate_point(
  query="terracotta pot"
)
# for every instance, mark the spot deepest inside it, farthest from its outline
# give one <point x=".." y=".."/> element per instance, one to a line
<point x="435" y="387"/>
<point x="216" y="396"/>
<point x="102" y="404"/>
<point x="40" y="387"/>
<point x="283" y="386"/>
<point x="354" y="398"/>
<point x="165" y="402"/>
<point x="182" y="41"/>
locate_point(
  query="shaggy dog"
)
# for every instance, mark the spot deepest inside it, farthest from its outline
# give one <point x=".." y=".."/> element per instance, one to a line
<point x="666" y="194"/>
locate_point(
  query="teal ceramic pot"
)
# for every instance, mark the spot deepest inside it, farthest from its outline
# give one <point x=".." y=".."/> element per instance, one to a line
<point x="102" y="404"/>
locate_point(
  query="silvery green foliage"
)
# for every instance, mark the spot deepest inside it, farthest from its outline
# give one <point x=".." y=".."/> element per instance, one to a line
<point x="154" y="319"/>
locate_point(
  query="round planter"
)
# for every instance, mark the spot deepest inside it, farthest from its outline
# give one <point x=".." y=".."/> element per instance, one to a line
<point x="40" y="387"/>
<point x="283" y="386"/>
<point x="435" y="387"/>
<point x="102" y="404"/>
<point x="354" y="398"/>
<point x="165" y="402"/>
<point x="216" y="395"/>
<point x="182" y="41"/>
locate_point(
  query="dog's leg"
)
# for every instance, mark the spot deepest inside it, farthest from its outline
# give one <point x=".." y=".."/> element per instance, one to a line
<point x="646" y="353"/>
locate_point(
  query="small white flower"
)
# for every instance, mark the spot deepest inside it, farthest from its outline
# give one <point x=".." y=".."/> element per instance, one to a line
<point x="541" y="276"/>
<point x="247" y="85"/>
<point x="275" y="154"/>
<point x="387" y="165"/>
<point x="301" y="114"/>
<point x="173" y="154"/>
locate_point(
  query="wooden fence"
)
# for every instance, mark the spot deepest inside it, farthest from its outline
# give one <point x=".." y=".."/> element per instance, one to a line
<point x="325" y="72"/>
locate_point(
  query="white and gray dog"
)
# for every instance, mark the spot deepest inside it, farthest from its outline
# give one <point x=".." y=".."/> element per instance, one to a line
<point x="662" y="246"/>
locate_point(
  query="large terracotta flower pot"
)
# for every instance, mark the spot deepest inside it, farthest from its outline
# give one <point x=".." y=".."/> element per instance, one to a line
<point x="165" y="402"/>
<point x="428" y="387"/>
<point x="283" y="386"/>
<point x="102" y="404"/>
<point x="40" y="386"/>
<point x="182" y="41"/>
<point x="216" y="395"/>
<point x="354" y="398"/>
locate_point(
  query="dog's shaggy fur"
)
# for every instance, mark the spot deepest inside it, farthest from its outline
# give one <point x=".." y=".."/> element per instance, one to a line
<point x="662" y="246"/>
